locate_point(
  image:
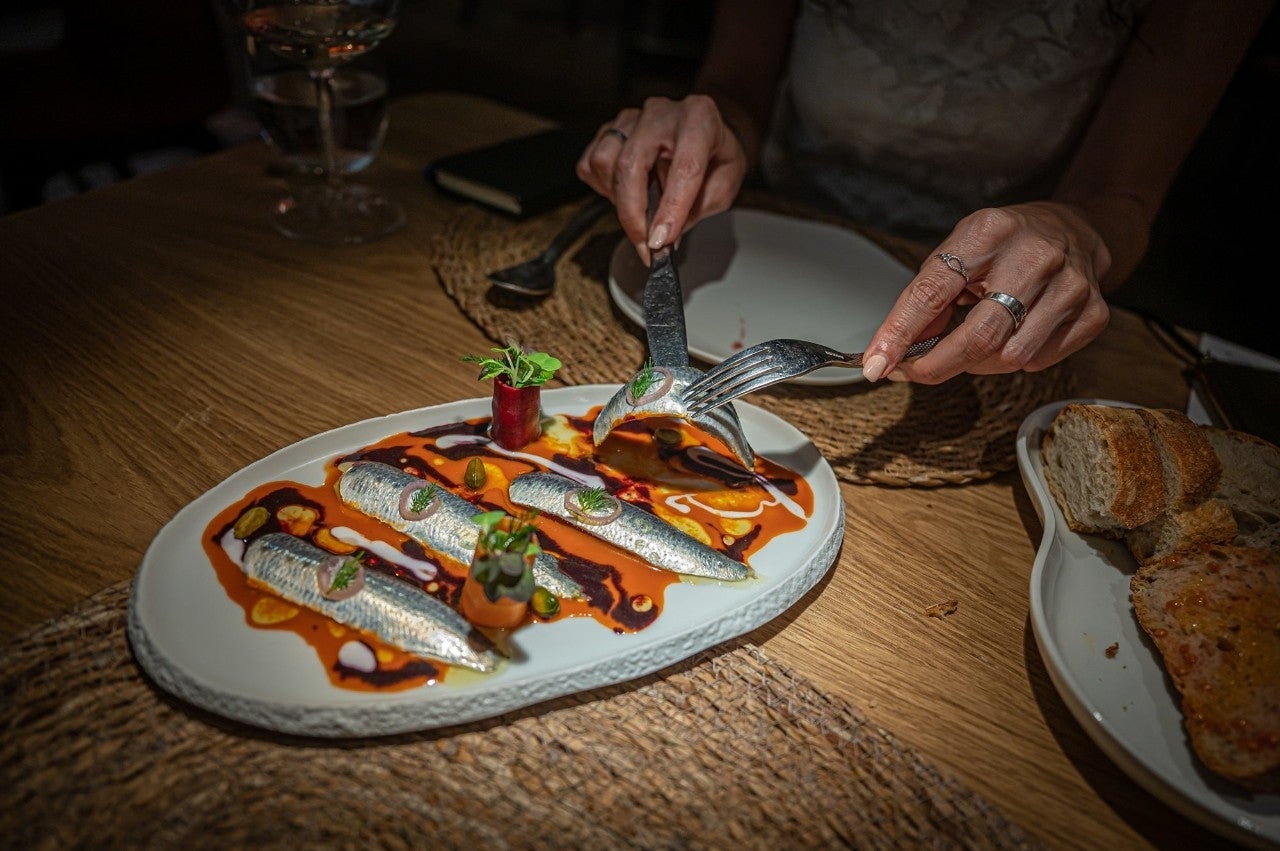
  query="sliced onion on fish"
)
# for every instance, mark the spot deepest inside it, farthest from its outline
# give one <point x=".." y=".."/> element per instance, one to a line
<point x="636" y="530"/>
<point x="410" y="493"/>
<point x="660" y="386"/>
<point x="397" y="612"/>
<point x="596" y="517"/>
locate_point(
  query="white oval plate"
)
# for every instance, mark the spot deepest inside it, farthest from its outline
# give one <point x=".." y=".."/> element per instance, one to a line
<point x="194" y="642"/>
<point x="1128" y="706"/>
<point x="750" y="276"/>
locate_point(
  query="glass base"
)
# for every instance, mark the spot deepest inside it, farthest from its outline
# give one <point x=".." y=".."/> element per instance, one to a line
<point x="344" y="215"/>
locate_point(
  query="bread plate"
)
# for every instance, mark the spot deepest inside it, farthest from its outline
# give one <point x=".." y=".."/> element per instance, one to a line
<point x="1108" y="672"/>
<point x="192" y="639"/>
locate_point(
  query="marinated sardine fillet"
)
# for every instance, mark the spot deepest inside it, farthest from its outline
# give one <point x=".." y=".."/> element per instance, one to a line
<point x="395" y="611"/>
<point x="374" y="488"/>
<point x="634" y="530"/>
<point x="721" y="423"/>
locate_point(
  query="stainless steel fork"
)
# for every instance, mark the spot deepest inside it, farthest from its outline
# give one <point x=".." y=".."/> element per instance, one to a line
<point x="769" y="363"/>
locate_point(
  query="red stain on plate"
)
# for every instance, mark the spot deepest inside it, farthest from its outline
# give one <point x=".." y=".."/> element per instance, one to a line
<point x="741" y="342"/>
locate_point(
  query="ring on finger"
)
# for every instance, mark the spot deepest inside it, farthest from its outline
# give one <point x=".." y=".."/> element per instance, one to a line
<point x="614" y="131"/>
<point x="1016" y="309"/>
<point x="955" y="264"/>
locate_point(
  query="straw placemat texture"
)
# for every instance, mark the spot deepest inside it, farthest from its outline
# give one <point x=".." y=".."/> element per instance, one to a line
<point x="888" y="433"/>
<point x="725" y="749"/>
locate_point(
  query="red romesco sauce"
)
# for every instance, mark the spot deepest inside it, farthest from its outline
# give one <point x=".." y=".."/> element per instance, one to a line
<point x="677" y="478"/>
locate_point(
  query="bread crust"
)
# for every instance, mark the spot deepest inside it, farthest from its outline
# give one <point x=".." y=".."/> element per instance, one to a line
<point x="1210" y="522"/>
<point x="1103" y="468"/>
<point x="1190" y="467"/>
<point x="1212" y="614"/>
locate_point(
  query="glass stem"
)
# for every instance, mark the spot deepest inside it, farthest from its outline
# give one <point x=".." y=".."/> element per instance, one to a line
<point x="323" y="81"/>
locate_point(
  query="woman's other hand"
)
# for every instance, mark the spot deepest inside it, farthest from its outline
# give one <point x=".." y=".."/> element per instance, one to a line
<point x="1045" y="254"/>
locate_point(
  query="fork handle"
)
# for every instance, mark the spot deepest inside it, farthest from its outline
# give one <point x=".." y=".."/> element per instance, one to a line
<point x="914" y="350"/>
<point x="576" y="227"/>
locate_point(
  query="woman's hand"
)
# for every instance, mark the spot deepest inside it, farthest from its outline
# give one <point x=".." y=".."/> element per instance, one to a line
<point x="699" y="161"/>
<point x="1045" y="254"/>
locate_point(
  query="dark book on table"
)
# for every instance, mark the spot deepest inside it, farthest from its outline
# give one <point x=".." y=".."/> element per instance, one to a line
<point x="521" y="177"/>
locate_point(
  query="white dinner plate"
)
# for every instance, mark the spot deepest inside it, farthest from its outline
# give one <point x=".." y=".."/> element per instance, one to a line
<point x="1129" y="707"/>
<point x="750" y="276"/>
<point x="194" y="642"/>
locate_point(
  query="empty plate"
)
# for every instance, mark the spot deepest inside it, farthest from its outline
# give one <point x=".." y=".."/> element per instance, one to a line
<point x="750" y="276"/>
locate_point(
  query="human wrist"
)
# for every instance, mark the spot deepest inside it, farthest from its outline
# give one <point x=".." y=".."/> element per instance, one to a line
<point x="1123" y="224"/>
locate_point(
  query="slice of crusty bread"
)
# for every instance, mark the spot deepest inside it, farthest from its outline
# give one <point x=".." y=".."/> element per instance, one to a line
<point x="1250" y="484"/>
<point x="1210" y="522"/>
<point x="1103" y="468"/>
<point x="1212" y="614"/>
<point x="1189" y="465"/>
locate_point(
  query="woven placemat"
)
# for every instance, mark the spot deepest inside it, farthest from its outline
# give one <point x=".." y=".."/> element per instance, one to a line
<point x="727" y="748"/>
<point x="888" y="433"/>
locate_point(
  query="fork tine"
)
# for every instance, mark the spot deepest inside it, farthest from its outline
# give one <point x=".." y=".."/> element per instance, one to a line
<point x="727" y="384"/>
<point x="741" y="359"/>
<point x="727" y="372"/>
<point x="750" y="384"/>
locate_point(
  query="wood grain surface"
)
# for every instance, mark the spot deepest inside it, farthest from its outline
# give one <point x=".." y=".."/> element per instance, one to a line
<point x="158" y="335"/>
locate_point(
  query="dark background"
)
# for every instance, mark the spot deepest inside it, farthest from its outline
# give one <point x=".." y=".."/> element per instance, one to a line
<point x="92" y="95"/>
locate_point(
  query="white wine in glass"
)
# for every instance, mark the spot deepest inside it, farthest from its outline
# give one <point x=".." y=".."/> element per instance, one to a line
<point x="320" y="36"/>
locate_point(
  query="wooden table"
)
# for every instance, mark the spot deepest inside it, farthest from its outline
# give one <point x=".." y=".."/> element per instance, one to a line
<point x="159" y="335"/>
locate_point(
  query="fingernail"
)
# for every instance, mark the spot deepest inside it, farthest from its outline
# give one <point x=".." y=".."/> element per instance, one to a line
<point x="873" y="367"/>
<point x="643" y="251"/>
<point x="658" y="237"/>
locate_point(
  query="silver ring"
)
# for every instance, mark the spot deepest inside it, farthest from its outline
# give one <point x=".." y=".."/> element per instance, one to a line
<point x="1016" y="309"/>
<point x="614" y="131"/>
<point x="955" y="264"/>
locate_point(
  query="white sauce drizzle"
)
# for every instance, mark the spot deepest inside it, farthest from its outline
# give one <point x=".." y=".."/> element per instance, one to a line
<point x="234" y="548"/>
<point x="450" y="440"/>
<point x="421" y="570"/>
<point x="711" y="459"/>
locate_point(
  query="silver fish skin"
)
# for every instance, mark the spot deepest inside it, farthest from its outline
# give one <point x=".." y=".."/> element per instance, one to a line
<point x="635" y="530"/>
<point x="721" y="423"/>
<point x="374" y="488"/>
<point x="400" y="614"/>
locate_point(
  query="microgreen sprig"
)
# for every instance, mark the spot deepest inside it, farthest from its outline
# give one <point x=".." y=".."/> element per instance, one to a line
<point x="516" y="538"/>
<point x="643" y="381"/>
<point x="347" y="573"/>
<point x="519" y="367"/>
<point x="592" y="499"/>
<point x="423" y="497"/>
<point x="501" y="564"/>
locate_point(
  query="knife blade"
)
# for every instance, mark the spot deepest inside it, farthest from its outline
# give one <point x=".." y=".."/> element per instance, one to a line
<point x="664" y="301"/>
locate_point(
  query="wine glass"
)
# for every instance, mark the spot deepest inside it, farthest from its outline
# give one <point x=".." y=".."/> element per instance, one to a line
<point x="321" y="36"/>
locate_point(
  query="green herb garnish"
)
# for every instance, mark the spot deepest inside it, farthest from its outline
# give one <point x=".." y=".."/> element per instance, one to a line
<point x="593" y="499"/>
<point x="519" y="367"/>
<point x="423" y="497"/>
<point x="502" y="555"/>
<point x="643" y="381"/>
<point x="517" y="538"/>
<point x="347" y="573"/>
